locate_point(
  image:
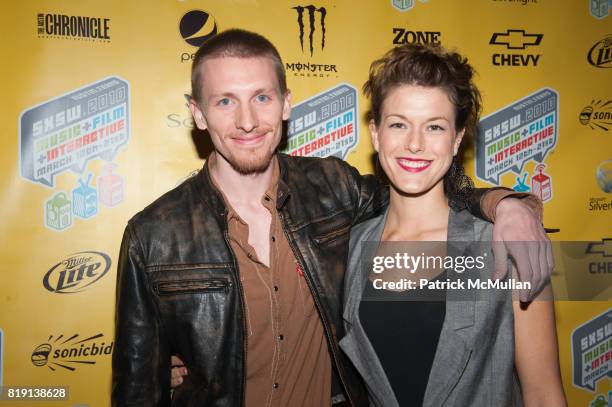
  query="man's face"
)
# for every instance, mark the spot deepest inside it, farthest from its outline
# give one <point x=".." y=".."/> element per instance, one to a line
<point x="242" y="109"/>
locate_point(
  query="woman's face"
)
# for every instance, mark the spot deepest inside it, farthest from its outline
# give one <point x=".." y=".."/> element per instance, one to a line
<point x="416" y="138"/>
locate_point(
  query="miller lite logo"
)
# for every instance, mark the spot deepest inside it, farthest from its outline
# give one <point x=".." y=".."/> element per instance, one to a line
<point x="77" y="272"/>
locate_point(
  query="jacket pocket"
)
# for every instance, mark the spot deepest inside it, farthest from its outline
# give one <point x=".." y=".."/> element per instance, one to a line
<point x="332" y="235"/>
<point x="196" y="286"/>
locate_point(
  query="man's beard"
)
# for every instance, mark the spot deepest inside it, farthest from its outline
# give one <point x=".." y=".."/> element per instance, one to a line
<point x="255" y="162"/>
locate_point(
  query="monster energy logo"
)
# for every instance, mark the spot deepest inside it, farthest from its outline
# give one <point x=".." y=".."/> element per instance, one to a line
<point x="311" y="25"/>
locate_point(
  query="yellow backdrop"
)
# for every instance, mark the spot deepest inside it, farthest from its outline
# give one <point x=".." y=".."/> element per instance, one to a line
<point x="96" y="127"/>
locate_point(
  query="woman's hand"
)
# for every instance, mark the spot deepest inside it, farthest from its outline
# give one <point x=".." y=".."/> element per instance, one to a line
<point x="518" y="232"/>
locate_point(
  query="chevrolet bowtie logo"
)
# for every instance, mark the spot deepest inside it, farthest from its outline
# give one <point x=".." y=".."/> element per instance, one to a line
<point x="516" y="39"/>
<point x="604" y="248"/>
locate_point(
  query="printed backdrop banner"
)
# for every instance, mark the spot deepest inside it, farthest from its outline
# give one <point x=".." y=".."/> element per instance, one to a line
<point x="96" y="126"/>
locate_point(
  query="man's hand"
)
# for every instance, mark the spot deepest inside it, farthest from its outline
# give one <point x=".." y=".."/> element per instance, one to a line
<point x="177" y="372"/>
<point x="523" y="238"/>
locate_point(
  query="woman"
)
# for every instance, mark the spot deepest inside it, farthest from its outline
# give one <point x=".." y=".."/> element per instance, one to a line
<point x="412" y="352"/>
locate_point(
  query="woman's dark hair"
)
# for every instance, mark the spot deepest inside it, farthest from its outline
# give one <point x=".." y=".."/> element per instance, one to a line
<point x="431" y="66"/>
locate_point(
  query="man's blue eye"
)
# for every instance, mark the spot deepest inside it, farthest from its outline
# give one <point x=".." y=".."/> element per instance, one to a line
<point x="223" y="102"/>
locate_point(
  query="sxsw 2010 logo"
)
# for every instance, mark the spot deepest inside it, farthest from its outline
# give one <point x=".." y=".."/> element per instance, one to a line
<point x="325" y="124"/>
<point x="523" y="131"/>
<point x="592" y="351"/>
<point x="63" y="134"/>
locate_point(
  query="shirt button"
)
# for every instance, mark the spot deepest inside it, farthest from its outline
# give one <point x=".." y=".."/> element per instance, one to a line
<point x="275" y="288"/>
<point x="280" y="337"/>
<point x="273" y="239"/>
<point x="275" y="385"/>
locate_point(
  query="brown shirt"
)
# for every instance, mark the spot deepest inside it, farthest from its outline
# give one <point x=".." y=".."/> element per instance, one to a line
<point x="287" y="360"/>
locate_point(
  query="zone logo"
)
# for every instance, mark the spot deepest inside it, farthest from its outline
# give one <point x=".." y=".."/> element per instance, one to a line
<point x="404" y="36"/>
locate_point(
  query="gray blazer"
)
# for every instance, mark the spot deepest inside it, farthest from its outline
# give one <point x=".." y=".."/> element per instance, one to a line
<point x="474" y="361"/>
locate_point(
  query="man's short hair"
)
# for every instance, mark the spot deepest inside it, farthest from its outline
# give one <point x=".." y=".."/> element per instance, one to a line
<point x="239" y="44"/>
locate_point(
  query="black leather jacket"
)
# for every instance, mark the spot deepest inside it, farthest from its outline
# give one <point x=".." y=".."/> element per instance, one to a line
<point x="178" y="290"/>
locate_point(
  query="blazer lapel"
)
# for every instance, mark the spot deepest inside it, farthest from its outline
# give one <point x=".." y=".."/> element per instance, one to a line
<point x="355" y="275"/>
<point x="454" y="346"/>
<point x="356" y="343"/>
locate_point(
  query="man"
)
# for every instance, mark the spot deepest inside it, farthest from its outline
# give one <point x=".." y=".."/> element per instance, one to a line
<point x="239" y="270"/>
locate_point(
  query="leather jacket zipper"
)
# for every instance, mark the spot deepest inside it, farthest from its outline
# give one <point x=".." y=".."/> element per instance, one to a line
<point x="244" y="324"/>
<point x="315" y="297"/>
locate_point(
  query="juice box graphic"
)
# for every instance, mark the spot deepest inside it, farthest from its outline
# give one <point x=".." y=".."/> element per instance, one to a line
<point x="84" y="199"/>
<point x="403" y="5"/>
<point x="541" y="184"/>
<point x="58" y="212"/>
<point x="110" y="186"/>
<point x="600" y="8"/>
